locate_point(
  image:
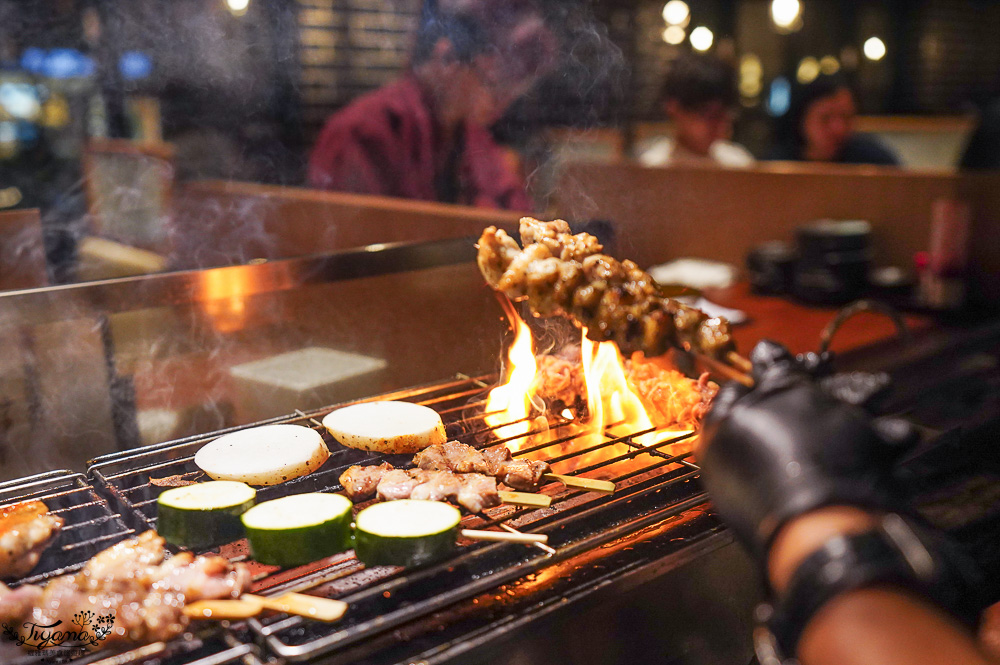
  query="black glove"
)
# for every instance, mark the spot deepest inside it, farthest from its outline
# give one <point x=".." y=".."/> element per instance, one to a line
<point x="788" y="446"/>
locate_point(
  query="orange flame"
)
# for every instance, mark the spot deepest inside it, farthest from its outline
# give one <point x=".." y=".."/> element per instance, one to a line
<point x="509" y="406"/>
<point x="614" y="407"/>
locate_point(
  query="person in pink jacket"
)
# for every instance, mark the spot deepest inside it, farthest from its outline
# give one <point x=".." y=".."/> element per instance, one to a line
<point x="426" y="136"/>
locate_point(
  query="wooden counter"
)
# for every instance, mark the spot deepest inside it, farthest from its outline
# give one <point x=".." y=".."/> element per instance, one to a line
<point x="799" y="326"/>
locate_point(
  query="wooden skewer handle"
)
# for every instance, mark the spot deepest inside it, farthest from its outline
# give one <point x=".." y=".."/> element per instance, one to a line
<point x="313" y="607"/>
<point x="528" y="499"/>
<point x="223" y="610"/>
<point x="739" y="362"/>
<point x="588" y="484"/>
<point x="503" y="536"/>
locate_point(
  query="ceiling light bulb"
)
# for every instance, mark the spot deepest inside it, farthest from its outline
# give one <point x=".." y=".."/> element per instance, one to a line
<point x="874" y="48"/>
<point x="676" y="12"/>
<point x="701" y="38"/>
<point x="786" y="13"/>
<point x="674" y="34"/>
<point x="238" y="6"/>
<point x="808" y="70"/>
<point x="829" y="64"/>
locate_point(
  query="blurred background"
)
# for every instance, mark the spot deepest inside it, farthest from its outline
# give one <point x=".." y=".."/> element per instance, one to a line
<point x="240" y="89"/>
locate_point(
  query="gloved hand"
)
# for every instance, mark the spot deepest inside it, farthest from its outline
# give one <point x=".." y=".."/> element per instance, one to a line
<point x="788" y="446"/>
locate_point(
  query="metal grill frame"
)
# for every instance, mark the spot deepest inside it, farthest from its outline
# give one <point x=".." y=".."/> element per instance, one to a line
<point x="71" y="496"/>
<point x="577" y="521"/>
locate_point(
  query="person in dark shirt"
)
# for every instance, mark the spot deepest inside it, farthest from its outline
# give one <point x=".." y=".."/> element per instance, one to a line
<point x="819" y="127"/>
<point x="426" y="136"/>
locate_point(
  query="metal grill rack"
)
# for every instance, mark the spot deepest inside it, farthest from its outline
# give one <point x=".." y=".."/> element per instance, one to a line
<point x="652" y="484"/>
<point x="91" y="525"/>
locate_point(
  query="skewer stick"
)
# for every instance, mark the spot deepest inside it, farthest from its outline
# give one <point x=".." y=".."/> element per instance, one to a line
<point x="589" y="484"/>
<point x="250" y="605"/>
<point x="221" y="610"/>
<point x="313" y="607"/>
<point x="725" y="371"/>
<point x="501" y="536"/>
<point x="526" y="499"/>
<point x="739" y="362"/>
<point x="542" y="546"/>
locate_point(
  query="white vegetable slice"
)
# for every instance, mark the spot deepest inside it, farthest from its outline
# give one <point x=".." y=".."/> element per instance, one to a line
<point x="266" y="455"/>
<point x="386" y="427"/>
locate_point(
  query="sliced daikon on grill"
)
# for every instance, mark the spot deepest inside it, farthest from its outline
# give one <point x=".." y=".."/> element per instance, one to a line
<point x="266" y="455"/>
<point x="386" y="427"/>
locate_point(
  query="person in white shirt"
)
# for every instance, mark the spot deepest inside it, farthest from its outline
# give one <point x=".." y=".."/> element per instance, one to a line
<point x="699" y="96"/>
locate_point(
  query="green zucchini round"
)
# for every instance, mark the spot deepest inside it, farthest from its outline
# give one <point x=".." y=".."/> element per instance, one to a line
<point x="298" y="529"/>
<point x="205" y="514"/>
<point x="408" y="532"/>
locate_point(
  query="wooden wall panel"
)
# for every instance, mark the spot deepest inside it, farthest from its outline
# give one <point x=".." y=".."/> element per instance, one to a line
<point x="221" y="223"/>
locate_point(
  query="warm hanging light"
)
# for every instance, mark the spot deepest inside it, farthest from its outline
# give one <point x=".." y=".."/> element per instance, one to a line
<point x="701" y="38"/>
<point x="829" y="64"/>
<point x="751" y="74"/>
<point x="808" y="70"/>
<point x="786" y="14"/>
<point x="674" y="34"/>
<point x="238" y="7"/>
<point x="874" y="48"/>
<point x="676" y="12"/>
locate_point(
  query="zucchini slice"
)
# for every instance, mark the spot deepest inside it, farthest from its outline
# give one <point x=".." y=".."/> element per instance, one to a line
<point x="203" y="515"/>
<point x="298" y="529"/>
<point x="408" y="532"/>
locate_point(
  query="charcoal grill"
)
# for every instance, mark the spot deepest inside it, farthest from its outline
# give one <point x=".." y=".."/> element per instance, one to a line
<point x="91" y="525"/>
<point x="653" y="485"/>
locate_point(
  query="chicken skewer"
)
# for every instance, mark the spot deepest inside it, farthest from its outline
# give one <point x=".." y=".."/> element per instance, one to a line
<point x="131" y="592"/>
<point x="473" y="491"/>
<point x="560" y="273"/>
<point x="26" y="529"/>
<point x="470" y="476"/>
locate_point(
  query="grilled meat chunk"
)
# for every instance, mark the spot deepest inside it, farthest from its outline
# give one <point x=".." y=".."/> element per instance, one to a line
<point x="399" y="484"/>
<point x="132" y="583"/>
<point x="473" y="491"/>
<point x="559" y="273"/>
<point x="478" y="492"/>
<point x="497" y="462"/>
<point x="26" y="529"/>
<point x="524" y="474"/>
<point x="360" y="481"/>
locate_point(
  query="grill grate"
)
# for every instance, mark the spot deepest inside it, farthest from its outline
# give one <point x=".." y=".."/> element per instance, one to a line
<point x="652" y="484"/>
<point x="90" y="526"/>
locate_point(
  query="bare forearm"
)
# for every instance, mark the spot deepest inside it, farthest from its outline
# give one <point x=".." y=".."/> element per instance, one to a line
<point x="880" y="626"/>
<point x="885" y="627"/>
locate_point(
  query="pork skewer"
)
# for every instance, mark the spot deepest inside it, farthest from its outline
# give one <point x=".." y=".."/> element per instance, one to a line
<point x="560" y="273"/>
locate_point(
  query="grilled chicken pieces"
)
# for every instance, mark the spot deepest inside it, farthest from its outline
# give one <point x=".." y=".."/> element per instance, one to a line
<point x="518" y="474"/>
<point x="450" y="471"/>
<point x="131" y="581"/>
<point x="26" y="529"/>
<point x="560" y="273"/>
<point x="473" y="491"/>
